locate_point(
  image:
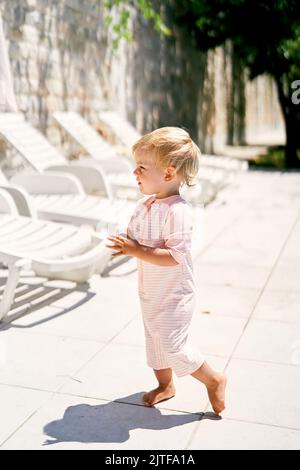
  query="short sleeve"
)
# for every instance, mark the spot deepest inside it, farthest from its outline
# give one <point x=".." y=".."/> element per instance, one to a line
<point x="129" y="226"/>
<point x="177" y="231"/>
<point x="129" y="230"/>
<point x="133" y="222"/>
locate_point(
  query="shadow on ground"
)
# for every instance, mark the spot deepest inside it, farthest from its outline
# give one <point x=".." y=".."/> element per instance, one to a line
<point x="34" y="292"/>
<point x="113" y="421"/>
<point x="126" y="267"/>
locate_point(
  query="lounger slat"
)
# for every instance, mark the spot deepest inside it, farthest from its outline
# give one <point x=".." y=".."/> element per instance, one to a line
<point x="37" y="234"/>
<point x="48" y="240"/>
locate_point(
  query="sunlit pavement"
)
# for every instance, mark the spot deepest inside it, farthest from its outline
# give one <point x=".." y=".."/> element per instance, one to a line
<point x="73" y="371"/>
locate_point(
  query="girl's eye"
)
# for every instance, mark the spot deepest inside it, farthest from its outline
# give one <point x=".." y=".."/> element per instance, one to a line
<point x="142" y="168"/>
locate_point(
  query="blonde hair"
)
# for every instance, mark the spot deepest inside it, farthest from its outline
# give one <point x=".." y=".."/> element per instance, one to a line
<point x="172" y="146"/>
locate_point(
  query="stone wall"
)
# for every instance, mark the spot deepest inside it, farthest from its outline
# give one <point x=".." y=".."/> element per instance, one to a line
<point x="61" y="59"/>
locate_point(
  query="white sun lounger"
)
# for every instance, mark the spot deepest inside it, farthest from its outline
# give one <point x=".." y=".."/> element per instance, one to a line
<point x="42" y="156"/>
<point x="50" y="249"/>
<point x="61" y="198"/>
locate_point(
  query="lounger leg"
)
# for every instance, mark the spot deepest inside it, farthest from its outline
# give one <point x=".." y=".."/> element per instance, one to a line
<point x="11" y="284"/>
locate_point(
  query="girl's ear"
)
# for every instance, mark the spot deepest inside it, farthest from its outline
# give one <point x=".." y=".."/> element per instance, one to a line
<point x="170" y="172"/>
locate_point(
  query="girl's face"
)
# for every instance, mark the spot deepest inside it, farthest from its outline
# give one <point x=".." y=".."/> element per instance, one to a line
<point x="150" y="177"/>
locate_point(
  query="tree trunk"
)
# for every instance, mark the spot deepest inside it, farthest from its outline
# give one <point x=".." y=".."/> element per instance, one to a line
<point x="290" y="121"/>
<point x="236" y="102"/>
<point x="291" y="157"/>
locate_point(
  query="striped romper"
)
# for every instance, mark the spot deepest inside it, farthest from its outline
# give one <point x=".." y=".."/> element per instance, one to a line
<point x="167" y="293"/>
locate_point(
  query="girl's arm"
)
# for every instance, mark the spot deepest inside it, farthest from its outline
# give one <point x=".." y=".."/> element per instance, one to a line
<point x="129" y="247"/>
<point x="158" y="256"/>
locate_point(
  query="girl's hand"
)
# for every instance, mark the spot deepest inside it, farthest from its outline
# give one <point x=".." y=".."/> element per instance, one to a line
<point x="124" y="246"/>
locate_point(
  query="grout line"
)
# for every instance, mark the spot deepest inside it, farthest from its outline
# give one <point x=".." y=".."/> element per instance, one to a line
<point x="262" y="424"/>
<point x="274" y="320"/>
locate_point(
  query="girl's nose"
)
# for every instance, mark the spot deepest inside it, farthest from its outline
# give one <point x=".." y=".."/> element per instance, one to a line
<point x="135" y="171"/>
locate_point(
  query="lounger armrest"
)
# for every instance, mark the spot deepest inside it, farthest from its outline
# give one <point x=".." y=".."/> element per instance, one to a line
<point x="7" y="203"/>
<point x="21" y="200"/>
<point x="48" y="183"/>
<point x="91" y="178"/>
<point x="118" y="166"/>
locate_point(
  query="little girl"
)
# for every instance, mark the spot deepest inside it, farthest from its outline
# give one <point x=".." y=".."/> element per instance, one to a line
<point x="159" y="236"/>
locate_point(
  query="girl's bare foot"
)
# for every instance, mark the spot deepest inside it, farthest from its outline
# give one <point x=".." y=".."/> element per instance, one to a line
<point x="216" y="393"/>
<point x="159" y="394"/>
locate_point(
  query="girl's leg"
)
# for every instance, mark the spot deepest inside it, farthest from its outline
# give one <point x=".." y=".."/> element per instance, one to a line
<point x="165" y="389"/>
<point x="215" y="383"/>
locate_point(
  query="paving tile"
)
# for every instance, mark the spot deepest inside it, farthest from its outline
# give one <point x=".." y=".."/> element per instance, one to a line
<point x="285" y="278"/>
<point x="216" y="334"/>
<point x="270" y="341"/>
<point x="278" y="305"/>
<point x="226" y="300"/>
<point x="230" y="275"/>
<point x="239" y="255"/>
<point x="247" y="242"/>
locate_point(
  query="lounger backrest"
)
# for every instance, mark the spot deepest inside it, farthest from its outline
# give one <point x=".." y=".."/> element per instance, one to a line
<point x="29" y="142"/>
<point x="125" y="132"/>
<point x="85" y="135"/>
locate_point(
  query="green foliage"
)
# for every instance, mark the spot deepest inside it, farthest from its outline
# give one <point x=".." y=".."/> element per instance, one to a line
<point x="274" y="158"/>
<point x="119" y="13"/>
<point x="291" y="51"/>
<point x="265" y="33"/>
<point x="266" y="39"/>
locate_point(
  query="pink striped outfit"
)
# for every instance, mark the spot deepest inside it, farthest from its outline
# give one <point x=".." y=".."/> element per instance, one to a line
<point x="167" y="293"/>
